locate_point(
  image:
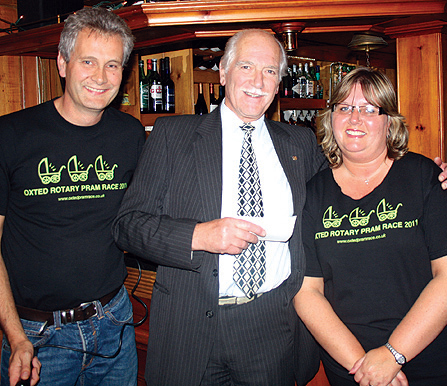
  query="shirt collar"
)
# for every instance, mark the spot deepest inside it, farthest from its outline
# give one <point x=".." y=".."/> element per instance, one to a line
<point x="230" y="119"/>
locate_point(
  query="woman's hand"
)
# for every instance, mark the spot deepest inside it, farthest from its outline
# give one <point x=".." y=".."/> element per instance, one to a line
<point x="378" y="368"/>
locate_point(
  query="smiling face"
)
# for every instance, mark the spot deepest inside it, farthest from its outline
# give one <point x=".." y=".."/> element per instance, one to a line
<point x="93" y="77"/>
<point x="252" y="78"/>
<point x="360" y="138"/>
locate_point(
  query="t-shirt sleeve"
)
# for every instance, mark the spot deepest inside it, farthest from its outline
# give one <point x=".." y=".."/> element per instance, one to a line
<point x="435" y="218"/>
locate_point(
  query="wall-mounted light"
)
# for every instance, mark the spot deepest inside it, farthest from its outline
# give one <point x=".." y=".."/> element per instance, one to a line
<point x="366" y="42"/>
<point x="290" y="40"/>
<point x="289" y="34"/>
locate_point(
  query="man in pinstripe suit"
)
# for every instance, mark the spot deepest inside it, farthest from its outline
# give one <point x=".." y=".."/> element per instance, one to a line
<point x="179" y="212"/>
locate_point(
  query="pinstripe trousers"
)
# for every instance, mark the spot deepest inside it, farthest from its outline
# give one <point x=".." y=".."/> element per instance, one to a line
<point x="254" y="344"/>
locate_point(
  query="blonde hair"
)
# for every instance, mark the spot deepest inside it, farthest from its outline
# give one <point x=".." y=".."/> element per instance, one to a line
<point x="378" y="91"/>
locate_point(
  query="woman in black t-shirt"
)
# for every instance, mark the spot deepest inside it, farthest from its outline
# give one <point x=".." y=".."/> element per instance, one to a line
<point x="375" y="291"/>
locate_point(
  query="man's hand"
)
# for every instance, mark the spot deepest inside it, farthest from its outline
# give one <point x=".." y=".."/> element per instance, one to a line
<point x="443" y="175"/>
<point x="22" y="355"/>
<point x="226" y="235"/>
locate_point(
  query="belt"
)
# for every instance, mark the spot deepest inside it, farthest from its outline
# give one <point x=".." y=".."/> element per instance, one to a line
<point x="232" y="300"/>
<point x="83" y="312"/>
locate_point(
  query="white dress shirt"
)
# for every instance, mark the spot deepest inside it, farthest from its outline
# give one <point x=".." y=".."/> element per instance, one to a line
<point x="276" y="195"/>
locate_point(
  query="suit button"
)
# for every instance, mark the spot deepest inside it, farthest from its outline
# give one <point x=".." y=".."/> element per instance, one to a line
<point x="215" y="272"/>
<point x="209" y="314"/>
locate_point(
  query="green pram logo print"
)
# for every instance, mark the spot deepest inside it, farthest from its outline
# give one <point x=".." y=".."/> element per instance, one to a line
<point x="76" y="170"/>
<point x="330" y="218"/>
<point x="358" y="217"/>
<point x="385" y="211"/>
<point x="103" y="170"/>
<point x="48" y="173"/>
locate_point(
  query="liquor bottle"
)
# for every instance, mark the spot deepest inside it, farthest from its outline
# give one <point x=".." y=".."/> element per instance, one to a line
<point x="200" y="107"/>
<point x="213" y="100"/>
<point x="302" y="80"/>
<point x="168" y="88"/>
<point x="318" y="84"/>
<point x="312" y="70"/>
<point x="155" y="90"/>
<point x="309" y="82"/>
<point x="221" y="94"/>
<point x="287" y="85"/>
<point x="148" y="69"/>
<point x="295" y="83"/>
<point x="161" y="71"/>
<point x="144" y="97"/>
<point x="148" y="82"/>
<point x="340" y="74"/>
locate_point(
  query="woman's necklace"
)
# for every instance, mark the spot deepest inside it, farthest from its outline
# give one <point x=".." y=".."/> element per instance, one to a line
<point x="369" y="178"/>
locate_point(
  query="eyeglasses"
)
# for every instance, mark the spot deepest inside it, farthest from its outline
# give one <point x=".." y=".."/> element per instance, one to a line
<point x="365" y="111"/>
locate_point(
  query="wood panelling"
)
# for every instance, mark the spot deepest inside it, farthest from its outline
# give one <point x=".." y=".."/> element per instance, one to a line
<point x="184" y="21"/>
<point x="421" y="90"/>
<point x="226" y="11"/>
<point x="24" y="81"/>
<point x="10" y="84"/>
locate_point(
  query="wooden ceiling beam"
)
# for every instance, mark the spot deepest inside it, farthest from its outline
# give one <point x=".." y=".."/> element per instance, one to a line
<point x="165" y="22"/>
<point x="231" y="11"/>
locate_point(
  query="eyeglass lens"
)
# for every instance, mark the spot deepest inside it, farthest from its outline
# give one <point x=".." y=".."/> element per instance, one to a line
<point x="363" y="110"/>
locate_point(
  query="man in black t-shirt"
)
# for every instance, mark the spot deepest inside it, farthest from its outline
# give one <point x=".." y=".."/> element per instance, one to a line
<point x="64" y="167"/>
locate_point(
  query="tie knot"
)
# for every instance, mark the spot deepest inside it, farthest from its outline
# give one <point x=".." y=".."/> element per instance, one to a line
<point x="247" y="127"/>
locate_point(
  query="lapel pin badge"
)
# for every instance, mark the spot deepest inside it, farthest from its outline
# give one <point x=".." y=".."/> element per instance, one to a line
<point x="294" y="157"/>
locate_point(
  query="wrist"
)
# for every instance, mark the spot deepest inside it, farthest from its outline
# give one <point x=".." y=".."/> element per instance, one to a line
<point x="399" y="358"/>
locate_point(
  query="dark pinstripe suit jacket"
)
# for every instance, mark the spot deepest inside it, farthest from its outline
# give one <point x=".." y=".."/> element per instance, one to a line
<point x="178" y="183"/>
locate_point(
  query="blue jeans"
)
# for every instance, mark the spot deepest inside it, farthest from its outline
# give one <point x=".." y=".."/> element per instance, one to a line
<point x="99" y="334"/>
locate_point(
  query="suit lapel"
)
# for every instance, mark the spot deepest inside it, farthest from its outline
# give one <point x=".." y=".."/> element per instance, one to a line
<point x="208" y="155"/>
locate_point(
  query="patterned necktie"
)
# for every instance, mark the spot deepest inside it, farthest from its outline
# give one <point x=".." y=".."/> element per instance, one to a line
<point x="249" y="266"/>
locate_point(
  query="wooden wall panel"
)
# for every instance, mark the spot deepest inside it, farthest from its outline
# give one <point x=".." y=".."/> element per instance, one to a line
<point x="420" y="81"/>
<point x="24" y="81"/>
<point x="9" y="66"/>
<point x="27" y="81"/>
<point x="52" y="86"/>
<point x="10" y="84"/>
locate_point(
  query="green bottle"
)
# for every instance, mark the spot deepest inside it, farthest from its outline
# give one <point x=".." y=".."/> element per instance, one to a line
<point x="318" y="84"/>
<point x="144" y="89"/>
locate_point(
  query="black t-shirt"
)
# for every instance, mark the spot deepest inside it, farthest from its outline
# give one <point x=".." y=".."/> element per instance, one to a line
<point x="60" y="188"/>
<point x="374" y="253"/>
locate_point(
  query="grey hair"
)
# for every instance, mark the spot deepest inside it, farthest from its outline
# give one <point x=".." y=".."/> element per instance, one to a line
<point x="98" y="20"/>
<point x="231" y="48"/>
